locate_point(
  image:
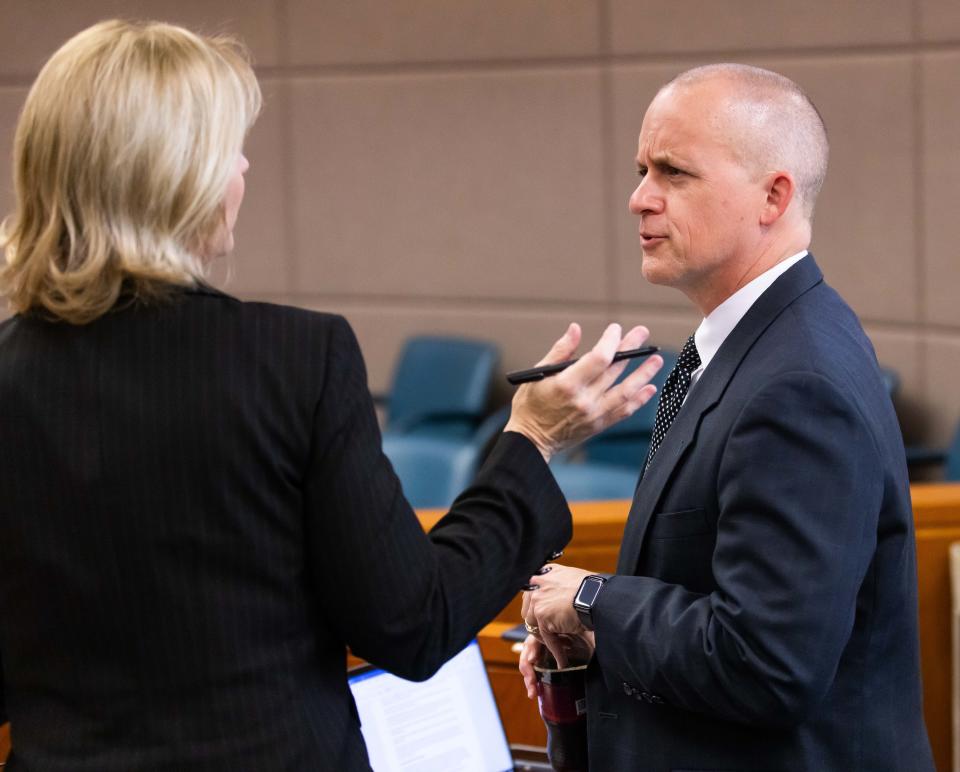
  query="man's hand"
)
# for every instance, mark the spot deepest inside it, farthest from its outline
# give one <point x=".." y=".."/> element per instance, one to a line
<point x="549" y="608"/>
<point x="580" y="647"/>
<point x="529" y="656"/>
<point x="565" y="409"/>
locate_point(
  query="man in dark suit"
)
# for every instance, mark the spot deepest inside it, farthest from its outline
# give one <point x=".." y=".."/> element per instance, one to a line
<point x="763" y="615"/>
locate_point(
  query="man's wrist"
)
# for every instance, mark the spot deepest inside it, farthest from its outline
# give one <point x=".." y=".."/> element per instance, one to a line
<point x="586" y="597"/>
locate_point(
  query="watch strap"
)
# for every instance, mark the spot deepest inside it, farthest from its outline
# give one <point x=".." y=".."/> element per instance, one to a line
<point x="584" y="608"/>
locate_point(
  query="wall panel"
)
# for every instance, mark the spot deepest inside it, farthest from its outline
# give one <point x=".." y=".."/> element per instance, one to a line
<point x="644" y="26"/>
<point x="372" y="31"/>
<point x="941" y="182"/>
<point x="36" y="28"/>
<point x="939" y="20"/>
<point x="456" y="185"/>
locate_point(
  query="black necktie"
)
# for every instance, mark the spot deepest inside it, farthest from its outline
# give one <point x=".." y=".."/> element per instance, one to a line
<point x="674" y="390"/>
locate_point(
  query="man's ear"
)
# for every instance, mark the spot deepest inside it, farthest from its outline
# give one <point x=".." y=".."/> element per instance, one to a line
<point x="779" y="188"/>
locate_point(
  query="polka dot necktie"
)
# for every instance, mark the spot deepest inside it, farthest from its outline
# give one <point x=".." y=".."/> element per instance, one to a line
<point x="674" y="390"/>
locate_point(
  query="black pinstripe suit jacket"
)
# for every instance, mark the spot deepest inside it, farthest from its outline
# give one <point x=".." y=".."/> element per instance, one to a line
<point x="196" y="517"/>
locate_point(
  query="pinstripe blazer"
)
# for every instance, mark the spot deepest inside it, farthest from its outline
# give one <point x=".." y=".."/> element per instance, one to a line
<point x="196" y="517"/>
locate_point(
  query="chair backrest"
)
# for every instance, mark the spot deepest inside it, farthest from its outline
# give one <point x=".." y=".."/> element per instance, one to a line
<point x="440" y="386"/>
<point x="595" y="482"/>
<point x="952" y="473"/>
<point x="432" y="470"/>
<point x="626" y="443"/>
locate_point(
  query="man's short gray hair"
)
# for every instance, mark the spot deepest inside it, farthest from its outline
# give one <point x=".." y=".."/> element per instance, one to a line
<point x="774" y="124"/>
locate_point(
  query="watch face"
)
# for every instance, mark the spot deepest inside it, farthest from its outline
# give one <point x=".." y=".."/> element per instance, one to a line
<point x="588" y="592"/>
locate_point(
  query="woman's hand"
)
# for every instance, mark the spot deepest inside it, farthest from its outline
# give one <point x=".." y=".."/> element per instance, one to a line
<point x="565" y="409"/>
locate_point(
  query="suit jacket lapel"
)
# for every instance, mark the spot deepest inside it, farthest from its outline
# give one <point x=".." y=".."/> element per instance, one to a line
<point x="703" y="396"/>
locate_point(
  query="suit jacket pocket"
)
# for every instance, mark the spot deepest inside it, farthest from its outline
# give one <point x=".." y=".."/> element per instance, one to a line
<point x="675" y="525"/>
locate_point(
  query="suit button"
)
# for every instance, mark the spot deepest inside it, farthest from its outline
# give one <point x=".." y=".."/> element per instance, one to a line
<point x="628" y="690"/>
<point x="656" y="699"/>
<point x="645" y="696"/>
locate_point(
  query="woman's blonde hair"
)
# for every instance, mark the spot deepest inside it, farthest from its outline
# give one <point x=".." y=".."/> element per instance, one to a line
<point x="122" y="156"/>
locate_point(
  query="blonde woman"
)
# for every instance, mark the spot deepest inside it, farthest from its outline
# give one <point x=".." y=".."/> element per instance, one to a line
<point x="195" y="513"/>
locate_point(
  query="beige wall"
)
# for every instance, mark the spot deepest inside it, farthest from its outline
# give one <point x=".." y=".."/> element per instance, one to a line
<point x="464" y="165"/>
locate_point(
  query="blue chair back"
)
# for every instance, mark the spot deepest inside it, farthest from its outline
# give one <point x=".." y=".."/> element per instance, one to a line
<point x="432" y="470"/>
<point x="595" y="482"/>
<point x="952" y="472"/>
<point x="625" y="444"/>
<point x="440" y="386"/>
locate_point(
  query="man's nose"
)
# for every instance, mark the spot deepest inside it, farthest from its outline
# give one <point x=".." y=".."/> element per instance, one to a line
<point x="644" y="199"/>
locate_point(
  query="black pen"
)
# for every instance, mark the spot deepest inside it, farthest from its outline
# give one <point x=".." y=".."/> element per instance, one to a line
<point x="539" y="373"/>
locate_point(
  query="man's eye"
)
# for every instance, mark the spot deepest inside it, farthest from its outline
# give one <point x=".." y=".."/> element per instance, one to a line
<point x="672" y="171"/>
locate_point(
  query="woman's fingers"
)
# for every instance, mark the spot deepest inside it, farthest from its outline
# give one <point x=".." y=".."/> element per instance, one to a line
<point x="592" y="364"/>
<point x="604" y="403"/>
<point x="608" y="376"/>
<point x="632" y="393"/>
<point x="566" y="409"/>
<point x="565" y="347"/>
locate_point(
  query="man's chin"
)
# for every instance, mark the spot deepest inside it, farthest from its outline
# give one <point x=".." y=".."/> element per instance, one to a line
<point x="653" y="271"/>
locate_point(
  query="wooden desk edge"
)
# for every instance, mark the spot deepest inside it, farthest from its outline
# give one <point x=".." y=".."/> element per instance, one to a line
<point x="935" y="504"/>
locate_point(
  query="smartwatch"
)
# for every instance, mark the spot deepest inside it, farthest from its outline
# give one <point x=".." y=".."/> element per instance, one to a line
<point x="585" y="598"/>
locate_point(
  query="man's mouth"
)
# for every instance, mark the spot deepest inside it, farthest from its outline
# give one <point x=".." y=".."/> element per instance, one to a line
<point x="650" y="239"/>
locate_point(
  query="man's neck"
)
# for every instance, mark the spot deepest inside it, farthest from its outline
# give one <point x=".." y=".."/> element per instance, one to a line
<point x="717" y="289"/>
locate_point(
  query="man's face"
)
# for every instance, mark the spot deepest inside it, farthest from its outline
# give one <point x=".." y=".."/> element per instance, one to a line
<point x="698" y="205"/>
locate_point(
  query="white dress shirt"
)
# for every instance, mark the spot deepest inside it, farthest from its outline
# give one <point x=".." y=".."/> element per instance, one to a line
<point x="715" y="328"/>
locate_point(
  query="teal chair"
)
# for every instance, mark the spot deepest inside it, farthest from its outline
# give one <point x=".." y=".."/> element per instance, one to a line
<point x="948" y="458"/>
<point x="440" y="387"/>
<point x="607" y="466"/>
<point x="588" y="481"/>
<point x="434" y="470"/>
<point x="625" y="444"/>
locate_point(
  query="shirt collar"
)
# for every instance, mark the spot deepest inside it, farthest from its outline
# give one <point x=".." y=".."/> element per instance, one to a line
<point x="719" y="323"/>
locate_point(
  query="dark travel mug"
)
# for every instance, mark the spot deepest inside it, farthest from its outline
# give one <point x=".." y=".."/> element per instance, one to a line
<point x="561" y="694"/>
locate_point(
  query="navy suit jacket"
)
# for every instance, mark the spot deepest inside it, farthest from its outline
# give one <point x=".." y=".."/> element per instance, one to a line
<point x="196" y="518"/>
<point x="764" y="614"/>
